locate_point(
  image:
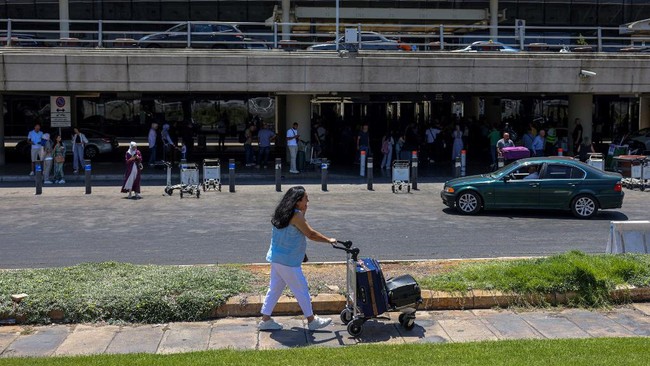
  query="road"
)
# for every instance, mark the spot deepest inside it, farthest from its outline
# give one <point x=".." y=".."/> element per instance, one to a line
<point x="63" y="226"/>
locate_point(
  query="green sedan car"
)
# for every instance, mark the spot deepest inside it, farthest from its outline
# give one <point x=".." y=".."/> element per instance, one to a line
<point x="560" y="183"/>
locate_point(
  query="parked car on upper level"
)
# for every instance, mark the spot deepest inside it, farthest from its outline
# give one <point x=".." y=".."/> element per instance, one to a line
<point x="202" y="35"/>
<point x="486" y="46"/>
<point x="98" y="143"/>
<point x="369" y="41"/>
<point x="22" y="40"/>
<point x="557" y="183"/>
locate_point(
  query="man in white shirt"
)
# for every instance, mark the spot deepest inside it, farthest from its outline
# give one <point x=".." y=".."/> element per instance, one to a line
<point x="292" y="144"/>
<point x="34" y="138"/>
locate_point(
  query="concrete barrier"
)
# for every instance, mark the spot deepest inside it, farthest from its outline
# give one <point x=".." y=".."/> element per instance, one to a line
<point x="628" y="237"/>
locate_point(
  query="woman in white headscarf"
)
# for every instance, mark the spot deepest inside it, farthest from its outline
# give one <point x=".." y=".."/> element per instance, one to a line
<point x="133" y="169"/>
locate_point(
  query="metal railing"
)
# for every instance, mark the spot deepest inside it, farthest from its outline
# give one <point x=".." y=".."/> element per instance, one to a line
<point x="422" y="37"/>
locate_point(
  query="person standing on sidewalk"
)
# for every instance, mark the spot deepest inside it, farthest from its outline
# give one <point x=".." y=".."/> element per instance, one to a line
<point x="286" y="254"/>
<point x="264" y="138"/>
<point x="48" y="149"/>
<point x="152" y="138"/>
<point x="59" y="160"/>
<point x="133" y="160"/>
<point x="34" y="138"/>
<point x="292" y="144"/>
<point x="79" y="142"/>
<point x="248" y="145"/>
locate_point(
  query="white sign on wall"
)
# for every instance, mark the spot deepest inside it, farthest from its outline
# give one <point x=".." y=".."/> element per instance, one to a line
<point x="60" y="111"/>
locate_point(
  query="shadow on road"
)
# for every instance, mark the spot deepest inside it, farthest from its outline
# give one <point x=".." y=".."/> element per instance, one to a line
<point x="543" y="214"/>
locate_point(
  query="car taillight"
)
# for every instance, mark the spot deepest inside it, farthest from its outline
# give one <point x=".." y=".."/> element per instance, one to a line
<point x="618" y="187"/>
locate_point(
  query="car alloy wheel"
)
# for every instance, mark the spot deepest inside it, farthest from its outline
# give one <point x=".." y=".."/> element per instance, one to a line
<point x="584" y="206"/>
<point x="468" y="202"/>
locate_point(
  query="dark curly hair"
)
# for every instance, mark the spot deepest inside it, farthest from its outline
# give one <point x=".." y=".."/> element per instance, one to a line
<point x="285" y="209"/>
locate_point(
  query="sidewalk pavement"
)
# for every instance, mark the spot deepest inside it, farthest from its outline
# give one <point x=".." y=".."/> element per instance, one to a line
<point x="241" y="333"/>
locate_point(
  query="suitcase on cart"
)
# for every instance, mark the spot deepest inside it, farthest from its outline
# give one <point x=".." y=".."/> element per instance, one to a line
<point x="371" y="288"/>
<point x="403" y="291"/>
<point x="515" y="153"/>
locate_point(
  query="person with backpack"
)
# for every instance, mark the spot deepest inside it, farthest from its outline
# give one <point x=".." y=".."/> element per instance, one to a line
<point x="387" y="143"/>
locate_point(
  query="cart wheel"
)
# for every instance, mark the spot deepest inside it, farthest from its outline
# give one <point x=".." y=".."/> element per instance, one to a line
<point x="407" y="321"/>
<point x="181" y="193"/>
<point x="355" y="327"/>
<point x="169" y="191"/>
<point x="346" y="316"/>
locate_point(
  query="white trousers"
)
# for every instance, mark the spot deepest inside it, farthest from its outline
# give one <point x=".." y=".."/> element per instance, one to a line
<point x="281" y="277"/>
<point x="293" y="152"/>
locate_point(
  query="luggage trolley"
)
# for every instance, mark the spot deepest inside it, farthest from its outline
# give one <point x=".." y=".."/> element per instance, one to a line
<point x="362" y="300"/>
<point x="401" y="176"/>
<point x="189" y="180"/>
<point x="596" y="160"/>
<point x="211" y="174"/>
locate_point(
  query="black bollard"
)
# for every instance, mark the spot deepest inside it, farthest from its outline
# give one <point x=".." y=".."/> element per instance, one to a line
<point x="457" y="167"/>
<point x="323" y="174"/>
<point x="231" y="175"/>
<point x="278" y="174"/>
<point x="87" y="170"/>
<point x="414" y="170"/>
<point x="369" y="173"/>
<point x="38" y="176"/>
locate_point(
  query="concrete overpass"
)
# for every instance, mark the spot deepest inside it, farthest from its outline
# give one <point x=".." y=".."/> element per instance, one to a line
<point x="301" y="75"/>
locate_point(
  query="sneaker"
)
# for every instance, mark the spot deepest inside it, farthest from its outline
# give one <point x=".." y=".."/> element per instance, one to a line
<point x="319" y="323"/>
<point x="31" y="173"/>
<point x="48" y="182"/>
<point x="137" y="196"/>
<point x="269" y="325"/>
<point x="294" y="171"/>
<point x="62" y="181"/>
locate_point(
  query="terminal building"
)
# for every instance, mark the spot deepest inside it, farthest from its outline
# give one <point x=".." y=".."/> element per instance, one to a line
<point x="609" y="113"/>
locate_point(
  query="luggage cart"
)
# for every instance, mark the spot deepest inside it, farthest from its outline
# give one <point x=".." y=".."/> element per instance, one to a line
<point x="401" y="176"/>
<point x="351" y="315"/>
<point x="596" y="160"/>
<point x="639" y="174"/>
<point x="189" y="182"/>
<point x="211" y="174"/>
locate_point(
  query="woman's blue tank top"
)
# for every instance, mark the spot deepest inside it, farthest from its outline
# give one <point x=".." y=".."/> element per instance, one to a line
<point x="288" y="246"/>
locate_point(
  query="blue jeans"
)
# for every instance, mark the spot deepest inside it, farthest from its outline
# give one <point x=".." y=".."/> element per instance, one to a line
<point x="263" y="155"/>
<point x="77" y="156"/>
<point x="248" y="150"/>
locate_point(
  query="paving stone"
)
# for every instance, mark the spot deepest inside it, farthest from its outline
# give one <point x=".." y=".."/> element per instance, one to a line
<point x="136" y="339"/>
<point x="507" y="324"/>
<point x="553" y="325"/>
<point x="426" y="330"/>
<point x="185" y="337"/>
<point x="596" y="323"/>
<point x="87" y="340"/>
<point x="632" y="320"/>
<point x="7" y="336"/>
<point x="239" y="333"/>
<point x="43" y="341"/>
<point x="464" y="326"/>
<point x="336" y="334"/>
<point x="292" y="335"/>
<point x="381" y="331"/>
<point x="642" y="307"/>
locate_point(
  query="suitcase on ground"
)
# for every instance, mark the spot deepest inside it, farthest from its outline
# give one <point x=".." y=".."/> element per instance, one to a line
<point x="515" y="152"/>
<point x="403" y="291"/>
<point x="300" y="160"/>
<point x="371" y="288"/>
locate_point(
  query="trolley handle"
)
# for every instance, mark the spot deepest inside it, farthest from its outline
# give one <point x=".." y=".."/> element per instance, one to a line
<point x="346" y="246"/>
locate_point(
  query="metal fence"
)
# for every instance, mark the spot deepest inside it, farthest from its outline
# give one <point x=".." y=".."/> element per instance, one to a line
<point x="421" y="37"/>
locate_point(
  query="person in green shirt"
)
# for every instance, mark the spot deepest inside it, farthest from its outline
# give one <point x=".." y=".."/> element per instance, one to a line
<point x="494" y="136"/>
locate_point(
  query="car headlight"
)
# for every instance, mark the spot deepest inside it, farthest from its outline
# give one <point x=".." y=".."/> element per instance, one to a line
<point x="449" y="189"/>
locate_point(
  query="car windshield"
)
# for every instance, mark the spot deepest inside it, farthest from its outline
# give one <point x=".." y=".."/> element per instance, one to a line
<point x="501" y="172"/>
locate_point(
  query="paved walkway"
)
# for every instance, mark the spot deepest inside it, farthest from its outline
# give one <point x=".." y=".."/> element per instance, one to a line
<point x="241" y="333"/>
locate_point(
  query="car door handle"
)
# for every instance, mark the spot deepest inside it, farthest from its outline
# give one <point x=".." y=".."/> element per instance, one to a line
<point x="534" y="185"/>
<point x="573" y="184"/>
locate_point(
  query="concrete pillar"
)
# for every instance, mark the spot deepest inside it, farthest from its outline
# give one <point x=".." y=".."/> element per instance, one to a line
<point x="644" y="112"/>
<point x="580" y="106"/>
<point x="494" y="20"/>
<point x="493" y="111"/>
<point x="2" y="131"/>
<point x="64" y="17"/>
<point x="286" y="18"/>
<point x="298" y="109"/>
<point x="473" y="108"/>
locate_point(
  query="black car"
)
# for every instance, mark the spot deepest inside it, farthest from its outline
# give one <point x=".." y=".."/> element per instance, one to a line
<point x="202" y="35"/>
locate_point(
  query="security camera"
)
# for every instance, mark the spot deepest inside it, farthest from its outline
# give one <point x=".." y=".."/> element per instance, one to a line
<point x="586" y="74"/>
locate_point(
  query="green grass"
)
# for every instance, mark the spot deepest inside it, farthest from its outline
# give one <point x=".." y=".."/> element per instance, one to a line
<point x="573" y="352"/>
<point x="591" y="277"/>
<point x="117" y="292"/>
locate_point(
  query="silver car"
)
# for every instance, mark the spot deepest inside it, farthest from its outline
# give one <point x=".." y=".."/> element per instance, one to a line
<point x="99" y="143"/>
